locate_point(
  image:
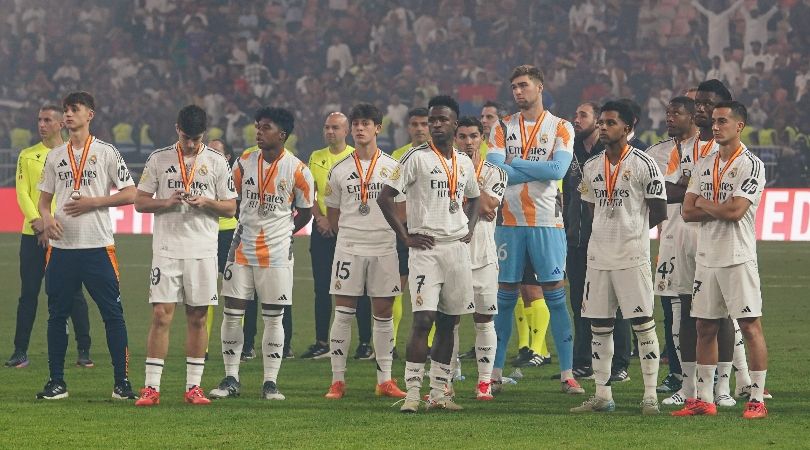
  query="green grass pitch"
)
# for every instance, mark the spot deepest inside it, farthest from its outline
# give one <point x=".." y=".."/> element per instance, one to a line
<point x="532" y="414"/>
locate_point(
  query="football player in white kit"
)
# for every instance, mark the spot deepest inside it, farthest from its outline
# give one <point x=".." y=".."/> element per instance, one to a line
<point x="626" y="191"/>
<point x="187" y="186"/>
<point x="365" y="259"/>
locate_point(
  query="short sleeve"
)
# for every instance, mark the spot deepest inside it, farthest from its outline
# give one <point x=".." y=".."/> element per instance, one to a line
<point x="304" y="187"/>
<point x="752" y="184"/>
<point x="333" y="190"/>
<point x="226" y="190"/>
<point x="497" y="140"/>
<point x="471" y="189"/>
<point x="495" y="184"/>
<point x="564" y="141"/>
<point x="237" y="172"/>
<point x="652" y="181"/>
<point x="47" y="182"/>
<point x="404" y="174"/>
<point x="149" y="178"/>
<point x="694" y="181"/>
<point x="118" y="171"/>
<point x="585" y="187"/>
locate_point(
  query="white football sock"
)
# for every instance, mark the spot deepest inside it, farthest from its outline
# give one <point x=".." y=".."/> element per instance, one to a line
<point x="340" y="338"/>
<point x="676" y="325"/>
<point x="740" y="360"/>
<point x="383" y="334"/>
<point x="154" y="369"/>
<point x="485" y="342"/>
<point x="455" y="363"/>
<point x="272" y="343"/>
<point x="194" y="371"/>
<point x="723" y="379"/>
<point x="233" y="339"/>
<point x="689" y="379"/>
<point x="648" y="355"/>
<point x="440" y="377"/>
<point x="705" y="382"/>
<point x="757" y="385"/>
<point x="601" y="359"/>
<point x="414" y="373"/>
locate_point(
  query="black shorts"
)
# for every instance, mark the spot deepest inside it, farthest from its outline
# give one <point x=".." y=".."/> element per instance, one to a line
<point x="402" y="254"/>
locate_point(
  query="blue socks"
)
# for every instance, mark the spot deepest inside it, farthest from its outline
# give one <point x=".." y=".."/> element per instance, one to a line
<point x="560" y="327"/>
<point x="503" y="324"/>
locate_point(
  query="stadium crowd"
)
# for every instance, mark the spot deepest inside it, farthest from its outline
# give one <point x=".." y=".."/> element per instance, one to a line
<point x="143" y="58"/>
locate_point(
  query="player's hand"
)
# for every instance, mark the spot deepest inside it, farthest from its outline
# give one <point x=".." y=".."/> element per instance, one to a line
<point x="76" y="208"/>
<point x="197" y="201"/>
<point x="174" y="200"/>
<point x="683" y="180"/>
<point x="467" y="238"/>
<point x="490" y="216"/>
<point x="38" y="225"/>
<point x="420" y="241"/>
<point x="323" y="226"/>
<point x="51" y="229"/>
<point x="700" y="202"/>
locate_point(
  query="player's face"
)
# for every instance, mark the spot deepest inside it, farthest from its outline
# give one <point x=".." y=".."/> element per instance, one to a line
<point x="526" y="91"/>
<point x="418" y="129"/>
<point x="468" y="140"/>
<point x="679" y="120"/>
<point x="364" y="131"/>
<point x="611" y="127"/>
<point x="489" y="116"/>
<point x="584" y="121"/>
<point x="49" y="123"/>
<point x="725" y="126"/>
<point x="335" y="129"/>
<point x="77" y="116"/>
<point x="704" y="104"/>
<point x="442" y="122"/>
<point x="269" y="135"/>
<point x="187" y="141"/>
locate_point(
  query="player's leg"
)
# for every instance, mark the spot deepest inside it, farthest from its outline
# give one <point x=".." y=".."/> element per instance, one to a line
<point x="340" y="337"/>
<point x="274" y="288"/>
<point x="81" y="328"/>
<point x="672" y="382"/>
<point x="441" y="355"/>
<point x="200" y="292"/>
<point x="99" y="273"/>
<point x="522" y="328"/>
<point x="322" y="250"/>
<point x="725" y="352"/>
<point x="62" y="279"/>
<point x="402" y="260"/>
<point x="382" y="283"/>
<point x="743" y="379"/>
<point x="510" y="242"/>
<point x="485" y="295"/>
<point x="364" y="349"/>
<point x="576" y="265"/>
<point x="538" y="324"/>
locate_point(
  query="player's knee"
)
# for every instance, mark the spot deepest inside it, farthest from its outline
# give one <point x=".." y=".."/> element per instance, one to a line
<point x="706" y="329"/>
<point x="162" y="315"/>
<point x="482" y="318"/>
<point x="642" y="323"/>
<point x="602" y="326"/>
<point x="422" y="322"/>
<point x="750" y="327"/>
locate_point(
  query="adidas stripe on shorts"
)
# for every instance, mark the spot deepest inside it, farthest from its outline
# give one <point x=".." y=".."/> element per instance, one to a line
<point x="629" y="289"/>
<point x="273" y="285"/>
<point x="733" y="291"/>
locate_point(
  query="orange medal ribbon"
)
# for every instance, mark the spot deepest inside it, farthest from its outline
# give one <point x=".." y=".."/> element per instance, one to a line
<point x="188" y="177"/>
<point x="365" y="179"/>
<point x="717" y="174"/>
<point x="706" y="147"/>
<point x="526" y="142"/>
<point x="452" y="177"/>
<point x="612" y="176"/>
<point x="78" y="170"/>
<point x="264" y="182"/>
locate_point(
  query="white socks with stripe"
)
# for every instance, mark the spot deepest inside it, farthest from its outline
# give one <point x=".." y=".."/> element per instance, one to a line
<point x="758" y="385"/>
<point x="272" y="343"/>
<point x="383" y="333"/>
<point x="194" y="371"/>
<point x="705" y="382"/>
<point x="601" y="360"/>
<point x="648" y="354"/>
<point x="739" y="359"/>
<point x="154" y="369"/>
<point x="485" y="342"/>
<point x="233" y="339"/>
<point x="414" y="373"/>
<point x="340" y="338"/>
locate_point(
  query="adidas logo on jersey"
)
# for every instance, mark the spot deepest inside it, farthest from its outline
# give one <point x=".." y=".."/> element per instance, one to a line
<point x="250" y="182"/>
<point x="706" y="173"/>
<point x="746" y="310"/>
<point x="598" y="178"/>
<point x="436" y="170"/>
<point x="283" y="298"/>
<point x="62" y="163"/>
<point x="651" y="355"/>
<point x="512" y="137"/>
<point x="686" y="159"/>
<point x="353" y="176"/>
<point x="638" y="309"/>
<point x="171" y="169"/>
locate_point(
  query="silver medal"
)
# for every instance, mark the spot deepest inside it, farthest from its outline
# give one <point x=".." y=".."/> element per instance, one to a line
<point x="453" y="206"/>
<point x="364" y="209"/>
<point x="75" y="195"/>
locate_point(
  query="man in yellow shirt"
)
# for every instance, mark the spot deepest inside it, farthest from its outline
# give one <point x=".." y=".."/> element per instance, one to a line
<point x="323" y="240"/>
<point x="32" y="256"/>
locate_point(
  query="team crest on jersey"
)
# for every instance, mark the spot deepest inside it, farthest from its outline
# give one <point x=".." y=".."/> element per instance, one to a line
<point x="92" y="160"/>
<point x="328" y="190"/>
<point x="384" y="172"/>
<point x="626" y="175"/>
<point x="732" y="173"/>
<point x="203" y="169"/>
<point x="544" y="138"/>
<point x="480" y="182"/>
<point x="583" y="189"/>
<point x="395" y="174"/>
<point x="283" y="185"/>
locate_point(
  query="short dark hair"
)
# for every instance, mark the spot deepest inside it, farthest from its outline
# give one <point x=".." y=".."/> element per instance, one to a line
<point x="470" y="121"/>
<point x="493" y="104"/>
<point x="446" y="101"/>
<point x="227" y="150"/>
<point x="79" y="98"/>
<point x="738" y="110"/>
<point x="51" y="107"/>
<point x="593" y="105"/>
<point x="625" y="113"/>
<point x="279" y="116"/>
<point x="635" y="108"/>
<point x="366" y="111"/>
<point x="527" y="69"/>
<point x="418" y="112"/>
<point x="687" y="103"/>
<point x="716" y="86"/>
<point x="192" y="120"/>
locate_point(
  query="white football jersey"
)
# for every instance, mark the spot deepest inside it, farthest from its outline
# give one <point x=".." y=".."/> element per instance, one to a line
<point x="491" y="181"/>
<point x="369" y="234"/>
<point x="724" y="243"/>
<point x="104" y="169"/>
<point x="620" y="237"/>
<point x="667" y="156"/>
<point x="185" y="232"/>
<point x="264" y="238"/>
<point x="420" y="175"/>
